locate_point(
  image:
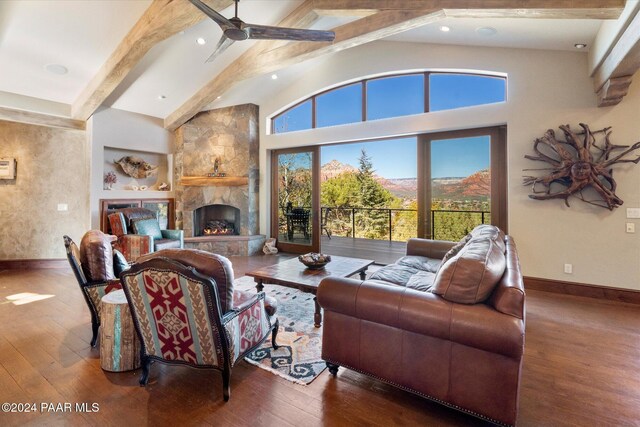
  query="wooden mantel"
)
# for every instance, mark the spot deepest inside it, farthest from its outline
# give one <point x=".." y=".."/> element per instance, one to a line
<point x="206" y="181"/>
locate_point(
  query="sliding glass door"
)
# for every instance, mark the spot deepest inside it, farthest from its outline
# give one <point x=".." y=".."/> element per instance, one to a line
<point x="295" y="199"/>
<point x="461" y="182"/>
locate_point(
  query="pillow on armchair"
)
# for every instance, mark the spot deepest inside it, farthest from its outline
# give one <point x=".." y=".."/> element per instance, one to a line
<point x="96" y="256"/>
<point x="148" y="227"/>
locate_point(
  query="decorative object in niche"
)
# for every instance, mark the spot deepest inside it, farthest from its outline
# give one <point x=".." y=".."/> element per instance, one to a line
<point x="136" y="167"/>
<point x="109" y="179"/>
<point x="163" y="187"/>
<point x="216" y="169"/>
<point x="577" y="164"/>
<point x="143" y="188"/>
<point x="7" y="168"/>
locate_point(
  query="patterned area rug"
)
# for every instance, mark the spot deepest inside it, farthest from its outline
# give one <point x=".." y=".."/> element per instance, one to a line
<point x="298" y="357"/>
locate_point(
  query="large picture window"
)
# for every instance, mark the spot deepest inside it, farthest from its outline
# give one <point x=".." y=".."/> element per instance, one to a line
<point x="391" y="96"/>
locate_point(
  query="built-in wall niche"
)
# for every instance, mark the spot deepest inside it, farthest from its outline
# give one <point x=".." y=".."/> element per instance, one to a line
<point x="151" y="171"/>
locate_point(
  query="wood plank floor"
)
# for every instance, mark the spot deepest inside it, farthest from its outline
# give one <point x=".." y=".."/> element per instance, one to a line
<point x="580" y="369"/>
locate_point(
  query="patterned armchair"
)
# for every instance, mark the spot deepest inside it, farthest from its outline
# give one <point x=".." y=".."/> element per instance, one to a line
<point x="92" y="265"/>
<point x="186" y="311"/>
<point x="139" y="233"/>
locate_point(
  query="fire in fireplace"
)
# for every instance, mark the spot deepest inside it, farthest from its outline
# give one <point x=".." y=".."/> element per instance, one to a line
<point x="216" y="220"/>
<point x="219" y="228"/>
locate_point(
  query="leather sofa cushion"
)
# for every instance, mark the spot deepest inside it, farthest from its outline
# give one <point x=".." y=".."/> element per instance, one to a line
<point x="420" y="263"/>
<point x="148" y="227"/>
<point x="160" y="244"/>
<point x="489" y="231"/>
<point x="421" y="281"/>
<point x="471" y="275"/>
<point x="455" y="249"/>
<point x="394" y="273"/>
<point x="96" y="256"/>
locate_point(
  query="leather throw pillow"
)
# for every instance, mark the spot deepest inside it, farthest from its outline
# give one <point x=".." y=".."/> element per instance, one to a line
<point x="471" y="275"/>
<point x="96" y="256"/>
<point x="455" y="249"/>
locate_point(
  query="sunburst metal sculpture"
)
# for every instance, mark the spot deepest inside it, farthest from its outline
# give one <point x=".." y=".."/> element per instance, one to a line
<point x="577" y="164"/>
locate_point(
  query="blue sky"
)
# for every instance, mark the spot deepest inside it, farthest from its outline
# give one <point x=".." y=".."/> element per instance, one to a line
<point x="397" y="158"/>
<point x="398" y="96"/>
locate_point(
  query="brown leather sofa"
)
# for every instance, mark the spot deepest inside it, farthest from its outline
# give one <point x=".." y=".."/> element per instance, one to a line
<point x="468" y="355"/>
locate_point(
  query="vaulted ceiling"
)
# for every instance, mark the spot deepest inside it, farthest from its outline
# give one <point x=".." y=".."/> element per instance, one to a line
<point x="142" y="55"/>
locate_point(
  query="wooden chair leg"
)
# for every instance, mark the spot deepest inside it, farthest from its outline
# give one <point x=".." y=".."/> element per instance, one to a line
<point x="274" y="334"/>
<point x="226" y="383"/>
<point x="146" y="366"/>
<point x="94" y="328"/>
<point x="333" y="369"/>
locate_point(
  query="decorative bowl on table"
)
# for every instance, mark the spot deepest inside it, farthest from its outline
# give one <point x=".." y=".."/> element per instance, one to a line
<point x="314" y="261"/>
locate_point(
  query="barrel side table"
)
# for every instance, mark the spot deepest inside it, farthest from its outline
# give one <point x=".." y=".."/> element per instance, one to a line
<point x="119" y="343"/>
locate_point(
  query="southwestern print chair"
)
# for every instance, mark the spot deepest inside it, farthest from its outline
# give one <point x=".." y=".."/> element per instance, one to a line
<point x="186" y="312"/>
<point x="139" y="233"/>
<point x="92" y="265"/>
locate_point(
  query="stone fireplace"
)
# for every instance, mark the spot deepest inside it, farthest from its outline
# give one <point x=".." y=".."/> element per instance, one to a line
<point x="230" y="136"/>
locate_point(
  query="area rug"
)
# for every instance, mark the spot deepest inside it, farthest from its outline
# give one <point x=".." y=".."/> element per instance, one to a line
<point x="300" y="343"/>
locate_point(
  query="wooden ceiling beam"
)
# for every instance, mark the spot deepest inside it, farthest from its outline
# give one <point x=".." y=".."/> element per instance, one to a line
<point x="613" y="76"/>
<point x="394" y="16"/>
<point x="161" y="20"/>
<point x="550" y="9"/>
<point x="40" y="119"/>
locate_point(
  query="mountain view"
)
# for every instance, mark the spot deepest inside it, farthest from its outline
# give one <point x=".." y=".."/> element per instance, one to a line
<point x="473" y="187"/>
<point x="358" y="202"/>
<point x="343" y="188"/>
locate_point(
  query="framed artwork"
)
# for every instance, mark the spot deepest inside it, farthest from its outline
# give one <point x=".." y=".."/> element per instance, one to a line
<point x="7" y="168"/>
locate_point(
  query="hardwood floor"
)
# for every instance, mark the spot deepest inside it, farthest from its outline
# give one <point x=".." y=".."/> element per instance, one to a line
<point x="580" y="368"/>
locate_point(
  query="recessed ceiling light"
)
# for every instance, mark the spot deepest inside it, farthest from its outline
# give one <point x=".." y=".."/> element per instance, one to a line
<point x="219" y="96"/>
<point x="56" y="69"/>
<point x="201" y="41"/>
<point x="162" y="96"/>
<point x="580" y="45"/>
<point x="486" y="31"/>
<point x="274" y="76"/>
<point x="445" y="29"/>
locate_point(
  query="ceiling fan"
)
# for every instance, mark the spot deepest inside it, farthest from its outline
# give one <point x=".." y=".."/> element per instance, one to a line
<point x="235" y="29"/>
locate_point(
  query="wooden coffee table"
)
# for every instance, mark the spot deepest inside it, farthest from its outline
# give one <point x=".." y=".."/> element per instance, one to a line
<point x="293" y="274"/>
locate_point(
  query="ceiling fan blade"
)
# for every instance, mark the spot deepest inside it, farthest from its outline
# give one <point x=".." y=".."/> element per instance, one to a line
<point x="222" y="45"/>
<point x="263" y="32"/>
<point x="219" y="19"/>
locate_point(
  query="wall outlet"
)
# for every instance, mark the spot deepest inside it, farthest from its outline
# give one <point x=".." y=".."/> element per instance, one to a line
<point x="631" y="227"/>
<point x="568" y="268"/>
<point x="633" y="212"/>
<point x="63" y="207"/>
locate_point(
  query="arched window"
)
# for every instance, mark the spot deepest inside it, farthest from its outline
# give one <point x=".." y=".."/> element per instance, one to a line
<point x="391" y="96"/>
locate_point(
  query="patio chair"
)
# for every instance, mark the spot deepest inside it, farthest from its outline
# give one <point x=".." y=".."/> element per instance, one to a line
<point x="298" y="219"/>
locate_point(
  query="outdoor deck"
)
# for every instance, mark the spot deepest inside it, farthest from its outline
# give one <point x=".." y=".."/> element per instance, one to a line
<point x="382" y="251"/>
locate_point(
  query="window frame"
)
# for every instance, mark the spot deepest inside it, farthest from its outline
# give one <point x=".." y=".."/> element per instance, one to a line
<point x="363" y="83"/>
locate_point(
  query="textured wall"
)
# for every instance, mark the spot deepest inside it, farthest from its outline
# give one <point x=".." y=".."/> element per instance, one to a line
<point x="231" y="134"/>
<point x="51" y="169"/>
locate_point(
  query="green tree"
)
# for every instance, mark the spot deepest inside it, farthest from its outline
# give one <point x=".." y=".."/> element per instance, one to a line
<point x="372" y="224"/>
<point x="341" y="193"/>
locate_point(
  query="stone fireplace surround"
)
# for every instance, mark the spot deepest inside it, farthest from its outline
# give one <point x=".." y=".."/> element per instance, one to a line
<point x="230" y="134"/>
